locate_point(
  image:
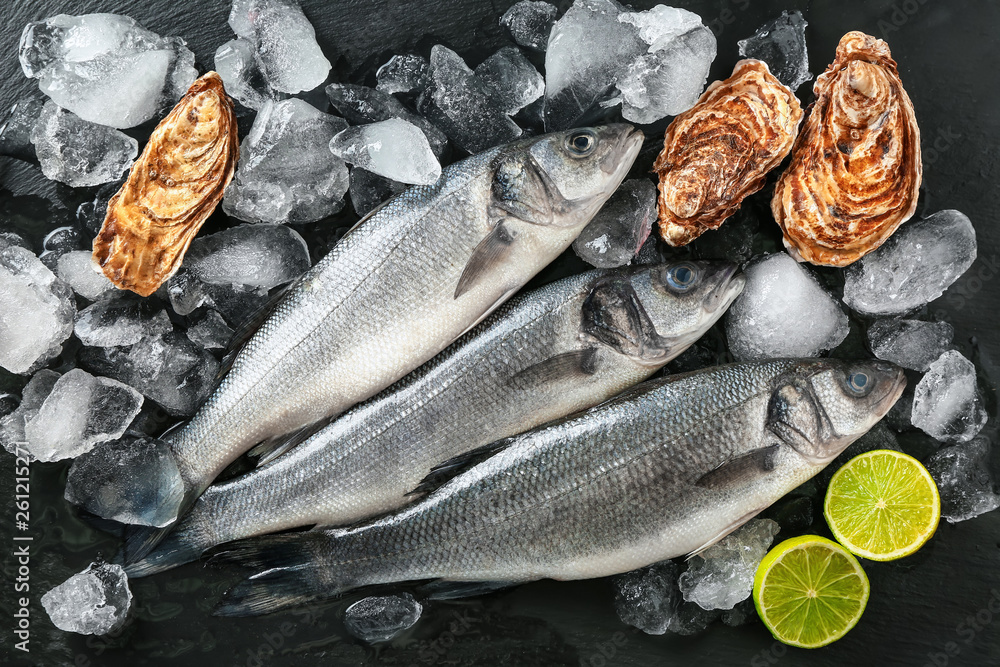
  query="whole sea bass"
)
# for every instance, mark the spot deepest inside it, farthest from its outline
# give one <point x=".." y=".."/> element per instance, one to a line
<point x="666" y="469"/>
<point x="545" y="354"/>
<point x="398" y="288"/>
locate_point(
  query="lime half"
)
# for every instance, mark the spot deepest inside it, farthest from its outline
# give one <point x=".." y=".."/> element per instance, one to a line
<point x="810" y="591"/>
<point x="882" y="505"/>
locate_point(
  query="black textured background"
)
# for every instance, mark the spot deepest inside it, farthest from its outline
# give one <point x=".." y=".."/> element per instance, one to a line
<point x="930" y="609"/>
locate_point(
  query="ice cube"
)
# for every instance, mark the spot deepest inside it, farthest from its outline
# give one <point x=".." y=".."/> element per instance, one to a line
<point x="212" y="332"/>
<point x="78" y="271"/>
<point x="781" y="43"/>
<point x="512" y="81"/>
<point x="15" y="133"/>
<point x="461" y="104"/>
<point x="236" y="303"/>
<point x="83" y="62"/>
<point x="36" y="311"/>
<point x="79" y="412"/>
<point x="33" y="395"/>
<point x="58" y="242"/>
<point x="360" y="105"/>
<point x="169" y="369"/>
<point x="392" y="148"/>
<point x="964" y="480"/>
<point x="284" y="43"/>
<point x="783" y="312"/>
<point x="910" y="343"/>
<point x="657" y="61"/>
<point x="241" y="75"/>
<point x="80" y="153"/>
<point x="529" y="23"/>
<point x="120" y="318"/>
<point x="93" y="602"/>
<point x="368" y="190"/>
<point x="260" y="256"/>
<point x="946" y="402"/>
<point x="286" y="171"/>
<point x="722" y="575"/>
<point x="617" y="232"/>
<point x="380" y="618"/>
<point x="916" y="265"/>
<point x="648" y="598"/>
<point x="402" y="74"/>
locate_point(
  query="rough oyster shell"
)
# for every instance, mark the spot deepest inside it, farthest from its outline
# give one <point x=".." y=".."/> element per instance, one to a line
<point x="855" y="170"/>
<point x="719" y="151"/>
<point x="173" y="187"/>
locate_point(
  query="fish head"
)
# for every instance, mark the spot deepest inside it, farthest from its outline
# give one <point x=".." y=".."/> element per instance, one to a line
<point x="653" y="313"/>
<point x="823" y="406"/>
<point x="564" y="178"/>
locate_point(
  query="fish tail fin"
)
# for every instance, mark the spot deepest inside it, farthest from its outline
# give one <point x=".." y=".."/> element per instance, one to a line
<point x="134" y="481"/>
<point x="293" y="569"/>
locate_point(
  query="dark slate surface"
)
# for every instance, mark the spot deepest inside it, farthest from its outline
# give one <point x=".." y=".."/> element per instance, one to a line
<point x="939" y="607"/>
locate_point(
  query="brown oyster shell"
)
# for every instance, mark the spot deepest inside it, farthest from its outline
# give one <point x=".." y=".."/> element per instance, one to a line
<point x="855" y="169"/>
<point x="172" y="188"/>
<point x="719" y="151"/>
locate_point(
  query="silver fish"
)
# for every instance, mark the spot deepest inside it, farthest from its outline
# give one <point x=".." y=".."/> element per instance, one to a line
<point x="666" y="469"/>
<point x="562" y="348"/>
<point x="398" y="288"/>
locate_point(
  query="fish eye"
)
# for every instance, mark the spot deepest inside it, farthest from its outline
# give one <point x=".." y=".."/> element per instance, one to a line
<point x="859" y="383"/>
<point x="582" y="143"/>
<point x="682" y="277"/>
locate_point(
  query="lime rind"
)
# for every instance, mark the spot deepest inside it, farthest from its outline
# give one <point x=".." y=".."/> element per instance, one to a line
<point x="906" y="517"/>
<point x="797" y="566"/>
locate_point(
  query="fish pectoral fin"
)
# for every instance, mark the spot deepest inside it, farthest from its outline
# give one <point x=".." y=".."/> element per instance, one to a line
<point x="442" y="589"/>
<point x="568" y="365"/>
<point x="726" y="531"/>
<point x="491" y="251"/>
<point x="740" y="470"/>
<point x="613" y="315"/>
<point x="269" y="450"/>
<point x="443" y="472"/>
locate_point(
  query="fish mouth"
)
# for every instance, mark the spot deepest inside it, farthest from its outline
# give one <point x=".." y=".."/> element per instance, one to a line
<point x="893" y="391"/>
<point x="730" y="285"/>
<point x="616" y="164"/>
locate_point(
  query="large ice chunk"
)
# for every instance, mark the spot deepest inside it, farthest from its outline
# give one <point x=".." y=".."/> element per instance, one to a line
<point x="36" y="311"/>
<point x="211" y="332"/>
<point x="910" y="343"/>
<point x="946" y="401"/>
<point x="658" y="60"/>
<point x="80" y="153"/>
<point x="241" y="75"/>
<point x="121" y="318"/>
<point x="76" y="412"/>
<point x="617" y="232"/>
<point x="78" y="271"/>
<point x="382" y="617"/>
<point x="462" y="105"/>
<point x="106" y="68"/>
<point x="722" y="575"/>
<point x="93" y="602"/>
<point x="360" y="105"/>
<point x="512" y="81"/>
<point x="392" y="148"/>
<point x="286" y="171"/>
<point x="402" y="74"/>
<point x="916" y="265"/>
<point x="15" y="133"/>
<point x="284" y="43"/>
<point x="368" y="190"/>
<point x="261" y="256"/>
<point x="964" y="480"/>
<point x="529" y="23"/>
<point x="648" y="598"/>
<point x="781" y="43"/>
<point x="783" y="312"/>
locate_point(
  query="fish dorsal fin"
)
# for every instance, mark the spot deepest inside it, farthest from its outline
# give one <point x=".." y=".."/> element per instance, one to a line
<point x="444" y="472"/>
<point x="726" y="531"/>
<point x="613" y="315"/>
<point x="521" y="189"/>
<point x="491" y="251"/>
<point x="741" y="470"/>
<point x="269" y="450"/>
<point x="568" y="365"/>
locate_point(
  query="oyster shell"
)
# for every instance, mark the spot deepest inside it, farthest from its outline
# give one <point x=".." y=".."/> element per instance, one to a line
<point x="173" y="187"/>
<point x="855" y="169"/>
<point x="719" y="151"/>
